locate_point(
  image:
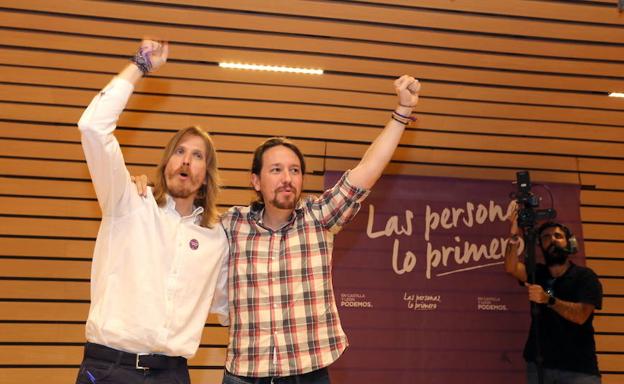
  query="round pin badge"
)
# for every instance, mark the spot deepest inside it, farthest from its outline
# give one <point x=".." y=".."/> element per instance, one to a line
<point x="194" y="244"/>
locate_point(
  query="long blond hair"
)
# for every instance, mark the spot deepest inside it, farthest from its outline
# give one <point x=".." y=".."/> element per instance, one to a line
<point x="207" y="194"/>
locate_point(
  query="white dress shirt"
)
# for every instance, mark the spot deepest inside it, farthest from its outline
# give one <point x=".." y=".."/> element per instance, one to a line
<point x="155" y="273"/>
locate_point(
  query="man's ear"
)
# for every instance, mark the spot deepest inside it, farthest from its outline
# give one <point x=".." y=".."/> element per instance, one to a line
<point x="255" y="182"/>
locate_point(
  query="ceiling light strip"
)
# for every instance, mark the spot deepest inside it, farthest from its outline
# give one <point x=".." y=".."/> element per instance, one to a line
<point x="272" y="68"/>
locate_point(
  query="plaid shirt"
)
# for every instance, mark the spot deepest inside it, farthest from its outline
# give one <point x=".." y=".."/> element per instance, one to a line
<point x="284" y="319"/>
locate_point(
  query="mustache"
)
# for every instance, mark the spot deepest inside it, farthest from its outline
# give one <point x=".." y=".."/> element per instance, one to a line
<point x="285" y="187"/>
<point x="184" y="169"/>
<point x="554" y="248"/>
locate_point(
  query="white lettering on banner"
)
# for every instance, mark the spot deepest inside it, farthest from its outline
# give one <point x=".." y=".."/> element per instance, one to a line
<point x="355" y="300"/>
<point x="392" y="225"/>
<point x="492" y="213"/>
<point x="461" y="254"/>
<point x="486" y="303"/>
<point x="409" y="262"/>
<point x="471" y="252"/>
<point x="422" y="302"/>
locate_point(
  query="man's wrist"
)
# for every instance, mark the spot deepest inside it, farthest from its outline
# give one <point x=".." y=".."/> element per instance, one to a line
<point x="142" y="61"/>
<point x="552" y="300"/>
<point x="404" y="109"/>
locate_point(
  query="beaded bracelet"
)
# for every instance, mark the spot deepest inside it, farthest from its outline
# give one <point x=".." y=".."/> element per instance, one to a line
<point x="142" y="61"/>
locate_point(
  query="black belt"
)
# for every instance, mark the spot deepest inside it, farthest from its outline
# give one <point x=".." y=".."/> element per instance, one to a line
<point x="302" y="377"/>
<point x="136" y="360"/>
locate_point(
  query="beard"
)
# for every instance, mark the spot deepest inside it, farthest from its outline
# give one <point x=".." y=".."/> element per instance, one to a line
<point x="178" y="189"/>
<point x="555" y="255"/>
<point x="285" y="203"/>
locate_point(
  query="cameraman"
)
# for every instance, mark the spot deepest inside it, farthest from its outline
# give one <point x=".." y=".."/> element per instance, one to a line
<point x="567" y="295"/>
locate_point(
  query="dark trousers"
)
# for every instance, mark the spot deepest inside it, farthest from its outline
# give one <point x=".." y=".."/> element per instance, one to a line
<point x="94" y="370"/>
<point x="558" y="376"/>
<point x="320" y="376"/>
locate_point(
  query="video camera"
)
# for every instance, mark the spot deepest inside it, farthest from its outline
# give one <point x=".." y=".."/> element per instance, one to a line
<point x="527" y="202"/>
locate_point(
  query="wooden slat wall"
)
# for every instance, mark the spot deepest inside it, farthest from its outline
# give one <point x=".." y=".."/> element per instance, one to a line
<point x="507" y="85"/>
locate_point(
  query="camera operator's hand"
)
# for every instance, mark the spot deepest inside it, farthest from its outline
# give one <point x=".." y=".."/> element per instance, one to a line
<point x="537" y="293"/>
<point x="514" y="230"/>
<point x="513" y="265"/>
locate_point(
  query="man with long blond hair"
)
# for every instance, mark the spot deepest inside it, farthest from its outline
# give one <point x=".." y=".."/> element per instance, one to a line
<point x="206" y="195"/>
<point x="160" y="261"/>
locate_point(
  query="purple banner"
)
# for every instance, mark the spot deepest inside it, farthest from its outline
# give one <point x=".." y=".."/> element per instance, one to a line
<point x="420" y="283"/>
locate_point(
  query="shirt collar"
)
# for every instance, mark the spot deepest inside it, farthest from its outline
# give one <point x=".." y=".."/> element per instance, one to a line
<point x="170" y="206"/>
<point x="257" y="211"/>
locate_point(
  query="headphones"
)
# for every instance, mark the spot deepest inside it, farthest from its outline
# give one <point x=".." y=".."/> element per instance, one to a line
<point x="572" y="247"/>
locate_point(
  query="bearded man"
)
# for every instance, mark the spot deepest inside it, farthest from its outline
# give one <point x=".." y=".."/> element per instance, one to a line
<point x="567" y="296"/>
<point x="160" y="261"/>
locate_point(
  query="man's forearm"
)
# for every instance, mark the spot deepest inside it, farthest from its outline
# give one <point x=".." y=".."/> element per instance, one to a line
<point x="511" y="256"/>
<point x="575" y="312"/>
<point x="377" y="156"/>
<point x="513" y="266"/>
<point x="131" y="73"/>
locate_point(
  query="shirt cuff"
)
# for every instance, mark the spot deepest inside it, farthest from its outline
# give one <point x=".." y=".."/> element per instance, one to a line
<point x="351" y="191"/>
<point x="122" y="85"/>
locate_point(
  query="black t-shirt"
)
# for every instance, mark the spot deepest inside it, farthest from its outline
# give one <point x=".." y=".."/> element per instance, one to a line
<point x="566" y="345"/>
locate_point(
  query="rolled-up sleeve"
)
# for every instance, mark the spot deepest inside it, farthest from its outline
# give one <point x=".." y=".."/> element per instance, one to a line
<point x="338" y="205"/>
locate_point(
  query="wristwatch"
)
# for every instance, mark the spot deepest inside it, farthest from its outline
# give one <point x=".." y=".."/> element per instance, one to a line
<point x="551" y="300"/>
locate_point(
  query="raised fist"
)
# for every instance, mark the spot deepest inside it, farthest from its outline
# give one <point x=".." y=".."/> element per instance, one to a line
<point x="407" y="89"/>
<point x="151" y="55"/>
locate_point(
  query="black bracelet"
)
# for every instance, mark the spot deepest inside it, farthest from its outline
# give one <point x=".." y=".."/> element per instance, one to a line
<point x="142" y="61"/>
<point x="406" y="106"/>
<point x="412" y="118"/>
<point x="400" y="121"/>
<point x="405" y="120"/>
